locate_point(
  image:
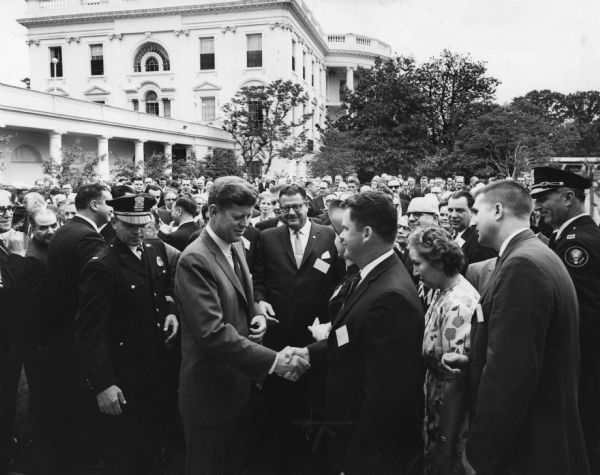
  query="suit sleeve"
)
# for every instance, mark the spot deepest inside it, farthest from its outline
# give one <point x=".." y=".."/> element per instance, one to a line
<point x="393" y="370"/>
<point x="89" y="246"/>
<point x="96" y="294"/>
<point x="517" y="325"/>
<point x="200" y="305"/>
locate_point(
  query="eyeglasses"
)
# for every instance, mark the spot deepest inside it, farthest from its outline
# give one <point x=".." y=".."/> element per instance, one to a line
<point x="286" y="209"/>
<point x="394" y="187"/>
<point x="4" y="209"/>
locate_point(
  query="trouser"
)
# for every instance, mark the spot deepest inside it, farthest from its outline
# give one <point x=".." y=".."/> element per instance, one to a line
<point x="217" y="450"/>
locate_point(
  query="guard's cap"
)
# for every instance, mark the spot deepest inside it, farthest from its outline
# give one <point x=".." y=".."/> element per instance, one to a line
<point x="422" y="204"/>
<point x="548" y="179"/>
<point x="133" y="209"/>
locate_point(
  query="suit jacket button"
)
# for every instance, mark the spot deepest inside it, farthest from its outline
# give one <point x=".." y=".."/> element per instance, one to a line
<point x="121" y="343"/>
<point x="132" y="287"/>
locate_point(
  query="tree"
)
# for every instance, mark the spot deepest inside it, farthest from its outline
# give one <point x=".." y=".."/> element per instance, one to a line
<point x="4" y="141"/>
<point x="262" y="122"/>
<point x="457" y="90"/>
<point x="551" y="104"/>
<point x="335" y="157"/>
<point x="385" y="119"/>
<point x="222" y="162"/>
<point x="77" y="166"/>
<point x="506" y="140"/>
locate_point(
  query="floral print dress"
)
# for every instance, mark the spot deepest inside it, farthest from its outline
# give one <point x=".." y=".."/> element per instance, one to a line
<point x="447" y="328"/>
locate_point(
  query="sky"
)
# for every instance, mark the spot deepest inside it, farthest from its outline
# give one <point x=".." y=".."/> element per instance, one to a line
<point x="526" y="44"/>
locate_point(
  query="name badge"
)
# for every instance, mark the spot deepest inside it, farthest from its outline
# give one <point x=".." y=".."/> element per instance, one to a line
<point x="326" y="255"/>
<point x="246" y="243"/>
<point x="321" y="266"/>
<point x="479" y="312"/>
<point x="460" y="241"/>
<point x="341" y="335"/>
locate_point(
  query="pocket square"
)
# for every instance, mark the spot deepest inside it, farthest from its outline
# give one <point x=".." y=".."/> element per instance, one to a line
<point x="326" y="255"/>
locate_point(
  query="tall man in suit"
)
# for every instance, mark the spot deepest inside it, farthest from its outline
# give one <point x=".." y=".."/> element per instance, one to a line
<point x="524" y="366"/>
<point x="559" y="198"/>
<point x="73" y="245"/>
<point x="466" y="236"/>
<point x="183" y="214"/>
<point x="221" y="334"/>
<point x="373" y="352"/>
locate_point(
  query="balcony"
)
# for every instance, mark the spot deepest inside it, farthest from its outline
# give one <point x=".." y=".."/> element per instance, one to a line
<point x="349" y="42"/>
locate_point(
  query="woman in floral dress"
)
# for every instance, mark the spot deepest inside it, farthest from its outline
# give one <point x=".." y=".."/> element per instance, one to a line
<point x="439" y="262"/>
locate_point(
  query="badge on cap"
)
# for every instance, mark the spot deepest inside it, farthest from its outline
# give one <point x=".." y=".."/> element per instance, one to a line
<point x="576" y="257"/>
<point x="139" y="204"/>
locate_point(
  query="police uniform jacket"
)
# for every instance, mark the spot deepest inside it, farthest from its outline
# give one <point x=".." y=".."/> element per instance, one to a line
<point x="119" y="326"/>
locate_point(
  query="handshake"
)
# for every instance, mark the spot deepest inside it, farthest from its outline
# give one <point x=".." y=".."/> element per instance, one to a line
<point x="292" y="363"/>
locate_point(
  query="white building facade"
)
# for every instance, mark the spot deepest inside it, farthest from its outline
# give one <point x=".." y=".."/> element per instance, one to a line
<point x="185" y="59"/>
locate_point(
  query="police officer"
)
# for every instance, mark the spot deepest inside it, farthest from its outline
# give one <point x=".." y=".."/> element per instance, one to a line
<point x="126" y="320"/>
<point x="559" y="197"/>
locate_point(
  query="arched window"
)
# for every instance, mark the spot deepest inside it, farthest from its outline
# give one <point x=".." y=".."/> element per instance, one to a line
<point x="151" y="57"/>
<point x="26" y="154"/>
<point x="151" y="103"/>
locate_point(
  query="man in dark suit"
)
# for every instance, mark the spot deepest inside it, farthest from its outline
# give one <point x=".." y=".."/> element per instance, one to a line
<point x="126" y="318"/>
<point x="559" y="198"/>
<point x="221" y="334"/>
<point x="183" y="214"/>
<point x="466" y="236"/>
<point x="318" y="203"/>
<point x="373" y="352"/>
<point x="73" y="245"/>
<point x="524" y="359"/>
<point x="165" y="211"/>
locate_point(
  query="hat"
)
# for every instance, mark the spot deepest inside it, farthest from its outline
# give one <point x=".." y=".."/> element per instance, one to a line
<point x="548" y="179"/>
<point x="133" y="209"/>
<point x="421" y="204"/>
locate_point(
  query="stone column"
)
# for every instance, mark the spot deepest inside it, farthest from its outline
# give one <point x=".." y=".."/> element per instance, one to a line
<point x="139" y="155"/>
<point x="350" y="77"/>
<point x="103" y="169"/>
<point x="56" y="147"/>
<point x="161" y="111"/>
<point x="168" y="151"/>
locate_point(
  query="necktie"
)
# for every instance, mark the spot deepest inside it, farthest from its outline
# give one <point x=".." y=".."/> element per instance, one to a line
<point x="139" y="252"/>
<point x="298" y="251"/>
<point x="236" y="267"/>
<point x="552" y="242"/>
<point x="349" y="287"/>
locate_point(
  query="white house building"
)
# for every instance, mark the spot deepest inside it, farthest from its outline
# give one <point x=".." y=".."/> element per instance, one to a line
<point x="180" y="60"/>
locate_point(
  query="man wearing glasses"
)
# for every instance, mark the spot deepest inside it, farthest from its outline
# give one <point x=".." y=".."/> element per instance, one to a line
<point x="295" y="274"/>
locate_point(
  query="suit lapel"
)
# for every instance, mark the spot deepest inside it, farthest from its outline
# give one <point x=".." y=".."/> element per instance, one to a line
<point x="221" y="260"/>
<point x="284" y="235"/>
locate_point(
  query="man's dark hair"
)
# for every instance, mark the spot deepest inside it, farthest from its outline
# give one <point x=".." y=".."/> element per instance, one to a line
<point x="118" y="191"/>
<point x="229" y="191"/>
<point x="87" y="193"/>
<point x="457" y="195"/>
<point x="187" y="204"/>
<point x="510" y="194"/>
<point x="153" y="188"/>
<point x="293" y="190"/>
<point x="137" y="178"/>
<point x="376" y="210"/>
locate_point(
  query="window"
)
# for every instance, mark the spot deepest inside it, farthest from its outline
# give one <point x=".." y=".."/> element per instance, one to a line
<point x="27" y="154"/>
<point x="255" y="114"/>
<point x="208" y="109"/>
<point x="151" y="103"/>
<point x="136" y="104"/>
<point x="207" y="53"/>
<point x="254" y="53"/>
<point x="159" y="61"/>
<point x="293" y="55"/>
<point x="100" y="102"/>
<point x="56" y="70"/>
<point x="303" y="65"/>
<point x="97" y="60"/>
<point x="167" y="107"/>
<point x="312" y="73"/>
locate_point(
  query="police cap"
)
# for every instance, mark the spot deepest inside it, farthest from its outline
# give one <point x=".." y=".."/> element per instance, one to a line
<point x="133" y="209"/>
<point x="548" y="179"/>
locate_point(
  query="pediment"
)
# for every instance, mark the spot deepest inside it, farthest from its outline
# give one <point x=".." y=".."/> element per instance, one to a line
<point x="57" y="92"/>
<point x="206" y="86"/>
<point x="96" y="91"/>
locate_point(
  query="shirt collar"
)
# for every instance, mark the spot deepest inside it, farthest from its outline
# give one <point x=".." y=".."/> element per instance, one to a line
<point x="374" y="263"/>
<point x="566" y="223"/>
<point x="508" y="239"/>
<point x="89" y="221"/>
<point x="223" y="245"/>
<point x="304" y="230"/>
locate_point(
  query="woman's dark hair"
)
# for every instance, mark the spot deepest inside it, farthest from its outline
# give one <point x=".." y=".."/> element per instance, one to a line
<point x="435" y="245"/>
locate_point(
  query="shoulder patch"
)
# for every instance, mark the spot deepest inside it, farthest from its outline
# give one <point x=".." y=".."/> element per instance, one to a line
<point x="576" y="256"/>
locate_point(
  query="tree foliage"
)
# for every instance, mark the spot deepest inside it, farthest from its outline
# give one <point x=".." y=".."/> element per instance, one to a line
<point x="261" y="121"/>
<point x="77" y="166"/>
<point x="222" y="162"/>
<point x="335" y="157"/>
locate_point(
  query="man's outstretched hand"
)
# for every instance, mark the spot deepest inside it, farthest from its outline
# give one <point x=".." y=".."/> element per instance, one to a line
<point x="292" y="363"/>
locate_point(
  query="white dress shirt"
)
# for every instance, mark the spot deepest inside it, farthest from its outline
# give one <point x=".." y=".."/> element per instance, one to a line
<point x="374" y="263"/>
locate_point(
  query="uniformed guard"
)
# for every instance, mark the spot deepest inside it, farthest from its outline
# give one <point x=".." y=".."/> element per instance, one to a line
<point x="559" y="196"/>
<point x="125" y="321"/>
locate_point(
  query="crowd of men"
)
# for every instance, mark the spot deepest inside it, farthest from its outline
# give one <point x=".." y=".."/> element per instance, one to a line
<point x="276" y="325"/>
